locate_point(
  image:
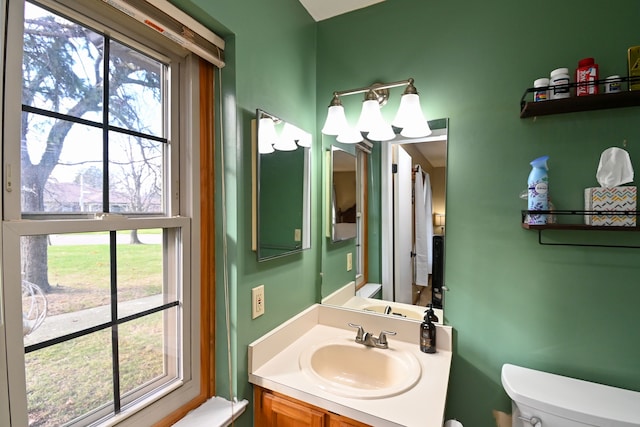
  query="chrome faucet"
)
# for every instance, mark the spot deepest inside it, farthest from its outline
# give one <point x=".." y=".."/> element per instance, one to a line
<point x="368" y="339"/>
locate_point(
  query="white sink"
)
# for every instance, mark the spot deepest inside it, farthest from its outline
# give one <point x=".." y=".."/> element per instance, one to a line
<point x="353" y="370"/>
<point x="411" y="313"/>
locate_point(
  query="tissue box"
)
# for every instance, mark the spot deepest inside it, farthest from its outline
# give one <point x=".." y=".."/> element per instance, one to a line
<point x="610" y="199"/>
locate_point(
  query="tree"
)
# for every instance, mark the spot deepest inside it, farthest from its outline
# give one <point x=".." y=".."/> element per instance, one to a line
<point x="90" y="176"/>
<point x="140" y="177"/>
<point x="63" y="73"/>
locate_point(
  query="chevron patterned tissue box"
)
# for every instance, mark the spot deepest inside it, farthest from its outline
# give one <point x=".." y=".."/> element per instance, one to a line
<point x="610" y="199"/>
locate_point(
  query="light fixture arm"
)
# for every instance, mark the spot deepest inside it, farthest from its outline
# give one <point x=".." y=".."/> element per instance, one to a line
<point x="276" y="120"/>
<point x="375" y="87"/>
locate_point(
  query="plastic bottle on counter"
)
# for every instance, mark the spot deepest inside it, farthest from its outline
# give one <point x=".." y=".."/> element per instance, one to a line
<point x="543" y="94"/>
<point x="538" y="191"/>
<point x="587" y="74"/>
<point x="559" y="83"/>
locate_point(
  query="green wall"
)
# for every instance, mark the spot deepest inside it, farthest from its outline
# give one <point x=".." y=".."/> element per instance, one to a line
<point x="569" y="310"/>
<point x="271" y="65"/>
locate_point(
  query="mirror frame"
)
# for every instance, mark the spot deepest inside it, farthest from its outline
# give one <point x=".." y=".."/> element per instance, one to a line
<point x="331" y="201"/>
<point x="257" y="221"/>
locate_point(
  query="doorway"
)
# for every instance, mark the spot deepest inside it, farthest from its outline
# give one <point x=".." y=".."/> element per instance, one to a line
<point x="397" y="262"/>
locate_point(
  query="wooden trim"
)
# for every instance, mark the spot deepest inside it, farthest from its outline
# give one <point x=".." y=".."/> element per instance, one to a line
<point x="364" y="245"/>
<point x="207" y="228"/>
<point x="207" y="247"/>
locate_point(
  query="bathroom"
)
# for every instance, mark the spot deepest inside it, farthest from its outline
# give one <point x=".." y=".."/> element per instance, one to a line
<point x="570" y="310"/>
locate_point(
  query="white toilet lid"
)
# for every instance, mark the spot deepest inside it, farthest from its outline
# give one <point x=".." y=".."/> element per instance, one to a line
<point x="571" y="398"/>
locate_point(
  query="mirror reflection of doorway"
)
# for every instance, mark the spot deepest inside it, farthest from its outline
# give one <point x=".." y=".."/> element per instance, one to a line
<point x="431" y="154"/>
<point x="417" y="226"/>
<point x="403" y="228"/>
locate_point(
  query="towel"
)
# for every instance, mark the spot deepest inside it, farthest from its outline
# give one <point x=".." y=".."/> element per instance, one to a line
<point x="423" y="211"/>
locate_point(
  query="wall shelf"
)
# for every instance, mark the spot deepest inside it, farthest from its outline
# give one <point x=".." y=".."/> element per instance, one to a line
<point x="582" y="227"/>
<point x="574" y="104"/>
<point x="579" y="227"/>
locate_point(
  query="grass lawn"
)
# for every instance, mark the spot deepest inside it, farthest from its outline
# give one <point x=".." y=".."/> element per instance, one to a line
<point x="80" y="275"/>
<point x="67" y="380"/>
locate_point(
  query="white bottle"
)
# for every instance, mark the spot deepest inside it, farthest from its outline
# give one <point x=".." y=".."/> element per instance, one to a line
<point x="559" y="83"/>
<point x="612" y="84"/>
<point x="543" y="94"/>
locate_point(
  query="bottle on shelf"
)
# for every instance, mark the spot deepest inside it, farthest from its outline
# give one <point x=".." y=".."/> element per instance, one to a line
<point x="586" y="76"/>
<point x="541" y="94"/>
<point x="559" y="83"/>
<point x="538" y="190"/>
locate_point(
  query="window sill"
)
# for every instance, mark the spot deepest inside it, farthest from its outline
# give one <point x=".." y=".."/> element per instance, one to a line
<point x="216" y="411"/>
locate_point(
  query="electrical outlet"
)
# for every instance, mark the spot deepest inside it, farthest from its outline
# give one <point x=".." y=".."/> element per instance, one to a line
<point x="349" y="261"/>
<point x="257" y="301"/>
<point x="297" y="235"/>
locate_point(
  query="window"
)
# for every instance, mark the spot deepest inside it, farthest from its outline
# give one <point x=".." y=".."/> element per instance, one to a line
<point x="97" y="221"/>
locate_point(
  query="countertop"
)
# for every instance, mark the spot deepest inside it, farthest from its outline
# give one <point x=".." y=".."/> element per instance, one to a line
<point x="274" y="364"/>
<point x="414" y="312"/>
<point x="348" y="297"/>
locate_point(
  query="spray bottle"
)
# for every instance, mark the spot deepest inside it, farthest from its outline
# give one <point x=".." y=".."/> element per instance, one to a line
<point x="538" y="193"/>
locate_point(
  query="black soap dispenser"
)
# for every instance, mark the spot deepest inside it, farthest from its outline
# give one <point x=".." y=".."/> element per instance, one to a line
<point x="431" y="314"/>
<point x="428" y="332"/>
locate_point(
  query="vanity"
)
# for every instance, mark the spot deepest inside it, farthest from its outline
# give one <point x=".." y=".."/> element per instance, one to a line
<point x="311" y="371"/>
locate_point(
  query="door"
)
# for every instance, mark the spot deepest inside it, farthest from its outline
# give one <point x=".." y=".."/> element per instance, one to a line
<point x="402" y="227"/>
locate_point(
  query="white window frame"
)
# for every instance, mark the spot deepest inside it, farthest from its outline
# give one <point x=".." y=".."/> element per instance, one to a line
<point x="182" y="189"/>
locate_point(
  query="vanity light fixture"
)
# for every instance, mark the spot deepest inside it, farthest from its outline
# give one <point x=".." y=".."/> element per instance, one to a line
<point x="350" y="135"/>
<point x="304" y="139"/>
<point x="267" y="135"/>
<point x="288" y="139"/>
<point x="409" y="118"/>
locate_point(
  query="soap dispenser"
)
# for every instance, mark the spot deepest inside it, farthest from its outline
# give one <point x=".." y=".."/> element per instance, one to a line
<point x="431" y="314"/>
<point x="428" y="332"/>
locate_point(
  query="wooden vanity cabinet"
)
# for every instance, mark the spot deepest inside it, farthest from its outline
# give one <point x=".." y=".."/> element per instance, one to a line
<point x="336" y="420"/>
<point x="273" y="409"/>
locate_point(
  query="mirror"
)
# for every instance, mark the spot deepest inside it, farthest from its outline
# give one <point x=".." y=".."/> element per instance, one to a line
<point x="397" y="235"/>
<point x="281" y="187"/>
<point x="343" y="195"/>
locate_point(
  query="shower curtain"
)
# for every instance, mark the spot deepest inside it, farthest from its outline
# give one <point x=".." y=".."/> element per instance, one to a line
<point x="423" y="214"/>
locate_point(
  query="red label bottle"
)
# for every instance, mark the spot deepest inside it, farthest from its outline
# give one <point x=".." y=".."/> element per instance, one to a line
<point x="586" y="76"/>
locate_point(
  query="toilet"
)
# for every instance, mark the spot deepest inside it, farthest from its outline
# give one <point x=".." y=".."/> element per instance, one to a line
<point x="541" y="399"/>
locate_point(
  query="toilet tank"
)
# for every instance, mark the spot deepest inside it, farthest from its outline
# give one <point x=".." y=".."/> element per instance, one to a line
<point x="558" y="401"/>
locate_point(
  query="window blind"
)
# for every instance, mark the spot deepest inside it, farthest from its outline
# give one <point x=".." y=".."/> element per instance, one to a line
<point x="173" y="23"/>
